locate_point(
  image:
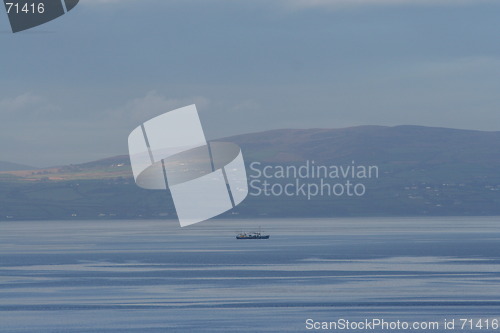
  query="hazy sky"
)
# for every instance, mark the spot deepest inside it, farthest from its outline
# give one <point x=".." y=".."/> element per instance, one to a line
<point x="73" y="89"/>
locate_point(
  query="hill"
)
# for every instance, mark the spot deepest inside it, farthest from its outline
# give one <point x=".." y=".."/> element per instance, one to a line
<point x="423" y="171"/>
<point x="9" y="166"/>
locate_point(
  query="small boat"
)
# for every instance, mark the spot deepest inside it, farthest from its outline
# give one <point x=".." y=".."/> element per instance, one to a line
<point x="252" y="235"/>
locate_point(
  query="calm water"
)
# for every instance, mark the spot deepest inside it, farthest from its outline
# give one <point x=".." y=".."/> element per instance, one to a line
<point x="153" y="276"/>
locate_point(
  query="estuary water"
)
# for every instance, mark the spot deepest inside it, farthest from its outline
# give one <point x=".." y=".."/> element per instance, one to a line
<point x="153" y="276"/>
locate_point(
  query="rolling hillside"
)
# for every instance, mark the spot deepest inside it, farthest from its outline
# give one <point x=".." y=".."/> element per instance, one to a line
<point x="8" y="166"/>
<point x="423" y="171"/>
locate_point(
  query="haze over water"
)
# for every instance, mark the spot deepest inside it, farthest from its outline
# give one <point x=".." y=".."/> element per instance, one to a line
<point x="153" y="276"/>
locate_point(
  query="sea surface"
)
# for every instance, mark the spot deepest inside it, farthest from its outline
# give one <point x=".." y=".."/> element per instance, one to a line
<point x="153" y="276"/>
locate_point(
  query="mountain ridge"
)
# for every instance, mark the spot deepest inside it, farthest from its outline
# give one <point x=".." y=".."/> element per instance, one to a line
<point x="423" y="171"/>
<point x="11" y="166"/>
<point x="396" y="145"/>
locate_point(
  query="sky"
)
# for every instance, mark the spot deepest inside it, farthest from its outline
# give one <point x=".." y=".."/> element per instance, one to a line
<point x="73" y="89"/>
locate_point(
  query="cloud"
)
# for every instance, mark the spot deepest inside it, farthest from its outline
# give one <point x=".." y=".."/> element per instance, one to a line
<point x="100" y="2"/>
<point x="27" y="104"/>
<point x="303" y="4"/>
<point x="153" y="104"/>
<point x="20" y="102"/>
<point x="335" y="4"/>
<point x="480" y="66"/>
